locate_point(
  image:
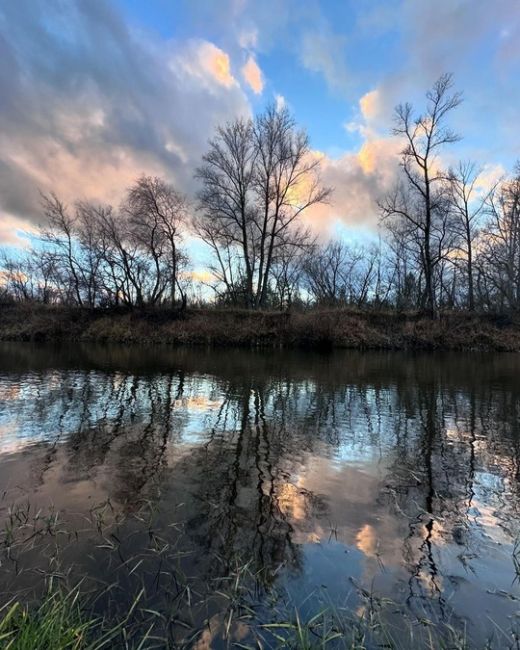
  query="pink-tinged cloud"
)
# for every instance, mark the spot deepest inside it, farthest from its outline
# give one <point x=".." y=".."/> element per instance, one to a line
<point x="253" y="75"/>
<point x="359" y="179"/>
<point x="15" y="231"/>
<point x="370" y="105"/>
<point x="202" y="276"/>
<point x="86" y="126"/>
<point x="217" y="63"/>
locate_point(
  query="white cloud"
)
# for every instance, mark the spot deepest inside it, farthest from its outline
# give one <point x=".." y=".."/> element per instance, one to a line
<point x="280" y="102"/>
<point x="324" y="52"/>
<point x="248" y="39"/>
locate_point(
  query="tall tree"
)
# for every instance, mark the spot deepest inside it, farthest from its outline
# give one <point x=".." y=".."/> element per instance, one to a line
<point x="286" y="183"/>
<point x="158" y="216"/>
<point x="258" y="178"/>
<point x="226" y="203"/>
<point x="468" y="207"/>
<point x="60" y="234"/>
<point x="500" y="256"/>
<point x="419" y="200"/>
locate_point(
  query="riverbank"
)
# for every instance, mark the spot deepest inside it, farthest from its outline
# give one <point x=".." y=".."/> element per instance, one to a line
<point x="341" y="328"/>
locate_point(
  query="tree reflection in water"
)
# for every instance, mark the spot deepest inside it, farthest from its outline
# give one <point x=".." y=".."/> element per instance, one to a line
<point x="398" y="473"/>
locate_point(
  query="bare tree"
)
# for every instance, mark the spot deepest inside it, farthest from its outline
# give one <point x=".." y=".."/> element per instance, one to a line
<point x="289" y="264"/>
<point x="257" y="180"/>
<point x="158" y="216"/>
<point x="328" y="272"/>
<point x="133" y="256"/>
<point x="61" y="235"/>
<point x="419" y="199"/>
<point x="225" y="270"/>
<point x="226" y="202"/>
<point x="500" y="243"/>
<point x="469" y="208"/>
<point x="18" y="277"/>
<point x="286" y="182"/>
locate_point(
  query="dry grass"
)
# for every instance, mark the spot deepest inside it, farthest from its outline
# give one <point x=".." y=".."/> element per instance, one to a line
<point x="345" y="328"/>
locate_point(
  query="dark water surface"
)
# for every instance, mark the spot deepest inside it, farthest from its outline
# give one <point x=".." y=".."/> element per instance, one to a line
<point x="228" y="489"/>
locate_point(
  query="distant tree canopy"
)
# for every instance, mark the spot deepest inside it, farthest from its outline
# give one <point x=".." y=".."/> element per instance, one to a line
<point x="94" y="255"/>
<point x="446" y="241"/>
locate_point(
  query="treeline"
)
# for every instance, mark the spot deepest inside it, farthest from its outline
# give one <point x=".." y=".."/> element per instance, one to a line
<point x="447" y="240"/>
<point x="95" y="255"/>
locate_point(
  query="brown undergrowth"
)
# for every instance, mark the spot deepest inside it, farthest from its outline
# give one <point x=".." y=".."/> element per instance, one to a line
<point x="317" y="328"/>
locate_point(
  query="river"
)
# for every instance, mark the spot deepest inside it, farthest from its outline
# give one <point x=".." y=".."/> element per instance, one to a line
<point x="227" y="496"/>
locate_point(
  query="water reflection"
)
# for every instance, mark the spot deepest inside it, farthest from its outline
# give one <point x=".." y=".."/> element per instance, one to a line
<point x="389" y="473"/>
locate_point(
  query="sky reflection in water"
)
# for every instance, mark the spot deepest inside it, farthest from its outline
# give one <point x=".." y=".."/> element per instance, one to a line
<point x="391" y="473"/>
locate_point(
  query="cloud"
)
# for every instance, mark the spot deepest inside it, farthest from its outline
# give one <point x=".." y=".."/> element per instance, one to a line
<point x="373" y="115"/>
<point x="201" y="275"/>
<point x="370" y="105"/>
<point x="253" y="75"/>
<point x="15" y="232"/>
<point x="216" y="62"/>
<point x="488" y="178"/>
<point x="359" y="178"/>
<point x="86" y="104"/>
<point x="324" y="52"/>
<point x="248" y="39"/>
<point x="280" y="102"/>
<point x="449" y="32"/>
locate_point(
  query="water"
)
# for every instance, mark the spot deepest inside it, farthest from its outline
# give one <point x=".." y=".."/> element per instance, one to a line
<point x="381" y="485"/>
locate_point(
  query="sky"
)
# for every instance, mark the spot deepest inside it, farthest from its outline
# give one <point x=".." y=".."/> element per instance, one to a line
<point x="94" y="93"/>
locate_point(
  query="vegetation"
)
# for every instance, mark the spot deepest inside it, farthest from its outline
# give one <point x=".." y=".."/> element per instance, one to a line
<point x="451" y="240"/>
<point x="57" y="622"/>
<point x="65" y="619"/>
<point x="319" y="328"/>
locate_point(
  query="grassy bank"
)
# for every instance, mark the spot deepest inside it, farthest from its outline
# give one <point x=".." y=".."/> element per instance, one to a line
<point x="58" y="623"/>
<point x="343" y="328"/>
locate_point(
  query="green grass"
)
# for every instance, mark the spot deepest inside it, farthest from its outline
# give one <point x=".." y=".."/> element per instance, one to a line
<point x="57" y="623"/>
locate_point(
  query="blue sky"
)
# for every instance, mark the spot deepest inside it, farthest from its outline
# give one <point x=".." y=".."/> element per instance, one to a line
<point x="95" y="92"/>
<point x="324" y="56"/>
